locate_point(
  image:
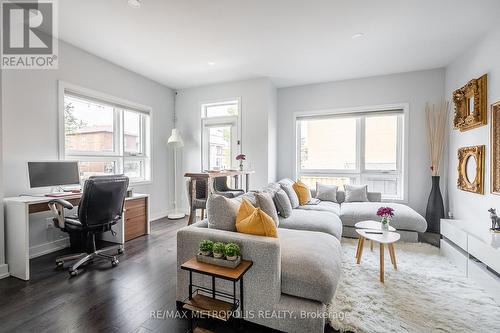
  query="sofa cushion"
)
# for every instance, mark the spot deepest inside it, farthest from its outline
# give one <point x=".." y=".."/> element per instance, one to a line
<point x="313" y="220"/>
<point x="326" y="192"/>
<point x="302" y="191"/>
<point x="327" y="206"/>
<point x="294" y="199"/>
<point x="310" y="264"/>
<point x="222" y="212"/>
<point x="404" y="218"/>
<point x="356" y="193"/>
<point x="282" y="202"/>
<point x="265" y="202"/>
<point x="254" y="221"/>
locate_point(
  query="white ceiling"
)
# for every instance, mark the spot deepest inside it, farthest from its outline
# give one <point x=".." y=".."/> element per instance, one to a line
<point x="293" y="42"/>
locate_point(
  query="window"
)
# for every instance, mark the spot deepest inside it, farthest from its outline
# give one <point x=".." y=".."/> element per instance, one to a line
<point x="106" y="137"/>
<point x="220" y="131"/>
<point x="355" y="148"/>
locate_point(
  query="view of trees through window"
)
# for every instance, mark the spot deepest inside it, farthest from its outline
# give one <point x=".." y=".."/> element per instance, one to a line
<point x="104" y="139"/>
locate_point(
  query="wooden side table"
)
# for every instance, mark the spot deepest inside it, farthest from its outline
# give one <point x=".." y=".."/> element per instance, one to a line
<point x="210" y="305"/>
<point x="386" y="237"/>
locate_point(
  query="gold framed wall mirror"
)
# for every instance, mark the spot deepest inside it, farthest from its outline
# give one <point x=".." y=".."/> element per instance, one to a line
<point x="471" y="104"/>
<point x="471" y="169"/>
<point x="495" y="148"/>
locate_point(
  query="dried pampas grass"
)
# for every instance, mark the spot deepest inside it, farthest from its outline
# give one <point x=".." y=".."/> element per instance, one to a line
<point x="437" y="124"/>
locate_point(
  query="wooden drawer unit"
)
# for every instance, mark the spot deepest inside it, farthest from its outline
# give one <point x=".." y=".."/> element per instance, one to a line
<point x="136" y="218"/>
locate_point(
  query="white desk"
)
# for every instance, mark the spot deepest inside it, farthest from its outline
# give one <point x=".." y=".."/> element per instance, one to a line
<point x="17" y="212"/>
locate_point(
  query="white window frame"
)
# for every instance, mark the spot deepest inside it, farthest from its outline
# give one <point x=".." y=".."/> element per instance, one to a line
<point x="207" y="122"/>
<point x="118" y="155"/>
<point x="359" y="173"/>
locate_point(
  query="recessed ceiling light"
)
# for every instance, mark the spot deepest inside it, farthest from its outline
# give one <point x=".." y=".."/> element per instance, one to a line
<point x="135" y="3"/>
<point x="211" y="63"/>
<point x="358" y="35"/>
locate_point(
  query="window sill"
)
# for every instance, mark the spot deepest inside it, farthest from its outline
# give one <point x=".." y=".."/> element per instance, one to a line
<point x="401" y="201"/>
<point x="141" y="182"/>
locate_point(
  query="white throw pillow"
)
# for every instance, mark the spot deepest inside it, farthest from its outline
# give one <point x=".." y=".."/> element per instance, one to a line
<point x="326" y="192"/>
<point x="356" y="193"/>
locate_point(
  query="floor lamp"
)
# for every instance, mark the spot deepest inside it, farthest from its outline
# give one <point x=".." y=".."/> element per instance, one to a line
<point x="175" y="141"/>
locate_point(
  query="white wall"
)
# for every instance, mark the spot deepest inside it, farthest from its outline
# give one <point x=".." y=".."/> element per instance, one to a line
<point x="415" y="88"/>
<point x="3" y="266"/>
<point x="272" y="144"/>
<point x="30" y="117"/>
<point x="256" y="103"/>
<point x="484" y="57"/>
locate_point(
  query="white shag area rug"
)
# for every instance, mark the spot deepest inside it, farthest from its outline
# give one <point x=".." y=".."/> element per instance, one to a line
<point x="425" y="294"/>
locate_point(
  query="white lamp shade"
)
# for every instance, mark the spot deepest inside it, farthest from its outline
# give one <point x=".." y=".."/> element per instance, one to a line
<point x="175" y="138"/>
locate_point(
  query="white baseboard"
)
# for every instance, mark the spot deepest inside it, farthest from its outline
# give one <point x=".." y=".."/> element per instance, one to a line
<point x="4" y="271"/>
<point x="160" y="215"/>
<point x="40" y="250"/>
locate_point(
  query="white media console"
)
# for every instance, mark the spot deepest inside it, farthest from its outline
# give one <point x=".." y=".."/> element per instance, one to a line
<point x="475" y="251"/>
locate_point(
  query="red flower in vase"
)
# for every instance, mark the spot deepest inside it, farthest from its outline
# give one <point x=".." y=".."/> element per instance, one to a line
<point x="385" y="212"/>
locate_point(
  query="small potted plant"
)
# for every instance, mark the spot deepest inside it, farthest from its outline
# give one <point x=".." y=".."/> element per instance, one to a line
<point x="386" y="213"/>
<point x="232" y="251"/>
<point x="218" y="250"/>
<point x="206" y="247"/>
<point x="241" y="158"/>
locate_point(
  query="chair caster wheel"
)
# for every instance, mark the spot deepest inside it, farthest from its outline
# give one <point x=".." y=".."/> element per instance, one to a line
<point x="114" y="263"/>
<point x="59" y="264"/>
<point x="120" y="251"/>
<point x="74" y="273"/>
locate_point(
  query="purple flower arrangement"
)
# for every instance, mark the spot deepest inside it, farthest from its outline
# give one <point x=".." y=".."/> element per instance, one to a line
<point x="241" y="158"/>
<point x="385" y="212"/>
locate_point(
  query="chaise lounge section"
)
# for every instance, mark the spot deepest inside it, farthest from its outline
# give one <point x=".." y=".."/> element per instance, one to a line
<point x="294" y="276"/>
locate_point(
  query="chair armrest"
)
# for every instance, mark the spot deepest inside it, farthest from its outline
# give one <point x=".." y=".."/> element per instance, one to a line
<point x="62" y="202"/>
<point x="57" y="208"/>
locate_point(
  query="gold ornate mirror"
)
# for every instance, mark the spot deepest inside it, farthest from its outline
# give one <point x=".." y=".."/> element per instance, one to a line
<point x="495" y="148"/>
<point x="470" y="104"/>
<point x="471" y="169"/>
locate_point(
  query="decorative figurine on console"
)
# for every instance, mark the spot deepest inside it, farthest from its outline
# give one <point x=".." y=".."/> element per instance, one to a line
<point x="495" y="220"/>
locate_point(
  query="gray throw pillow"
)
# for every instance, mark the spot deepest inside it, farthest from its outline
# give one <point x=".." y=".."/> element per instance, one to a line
<point x="266" y="204"/>
<point x="222" y="212"/>
<point x="294" y="199"/>
<point x="282" y="202"/>
<point x="326" y="192"/>
<point x="356" y="193"/>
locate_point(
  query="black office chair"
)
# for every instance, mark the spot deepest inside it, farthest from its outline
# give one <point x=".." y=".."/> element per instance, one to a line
<point x="100" y="207"/>
<point x="220" y="187"/>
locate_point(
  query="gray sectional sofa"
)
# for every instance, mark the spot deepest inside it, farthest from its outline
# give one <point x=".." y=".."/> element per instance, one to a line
<point x="294" y="276"/>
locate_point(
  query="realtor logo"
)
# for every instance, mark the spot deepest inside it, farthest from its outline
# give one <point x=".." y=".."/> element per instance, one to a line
<point x="29" y="35"/>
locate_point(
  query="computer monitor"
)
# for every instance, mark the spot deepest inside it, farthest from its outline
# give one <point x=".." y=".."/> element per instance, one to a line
<point x="51" y="174"/>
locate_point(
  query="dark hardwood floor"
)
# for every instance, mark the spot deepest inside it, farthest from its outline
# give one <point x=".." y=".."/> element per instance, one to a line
<point x="102" y="298"/>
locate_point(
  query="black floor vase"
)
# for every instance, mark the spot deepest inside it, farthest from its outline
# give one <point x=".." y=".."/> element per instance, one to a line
<point x="435" y="207"/>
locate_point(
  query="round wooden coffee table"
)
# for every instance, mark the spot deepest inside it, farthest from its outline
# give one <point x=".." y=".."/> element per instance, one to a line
<point x="383" y="238"/>
<point x="370" y="224"/>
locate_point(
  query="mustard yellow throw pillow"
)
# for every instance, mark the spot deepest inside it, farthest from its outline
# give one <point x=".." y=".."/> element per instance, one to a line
<point x="254" y="221"/>
<point x="302" y="191"/>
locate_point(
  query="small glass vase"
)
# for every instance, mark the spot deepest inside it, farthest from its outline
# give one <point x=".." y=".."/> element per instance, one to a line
<point x="385" y="223"/>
